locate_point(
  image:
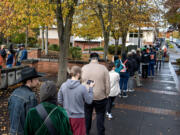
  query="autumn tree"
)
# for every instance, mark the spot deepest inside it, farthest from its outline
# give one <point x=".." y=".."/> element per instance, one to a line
<point x="173" y="13"/>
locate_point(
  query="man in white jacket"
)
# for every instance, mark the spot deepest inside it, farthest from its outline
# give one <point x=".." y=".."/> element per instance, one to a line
<point x="114" y="88"/>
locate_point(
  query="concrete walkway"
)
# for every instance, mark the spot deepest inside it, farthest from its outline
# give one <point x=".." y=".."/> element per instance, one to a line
<point x="153" y="109"/>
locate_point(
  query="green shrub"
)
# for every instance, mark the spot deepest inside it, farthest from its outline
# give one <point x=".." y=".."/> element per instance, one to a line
<point x="32" y="42"/>
<point x="53" y="47"/>
<point x="111" y="49"/>
<point x="95" y="49"/>
<point x="75" y="52"/>
<point x="18" y="38"/>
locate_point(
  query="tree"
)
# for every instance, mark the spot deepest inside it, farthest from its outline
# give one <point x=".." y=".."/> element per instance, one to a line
<point x="64" y="15"/>
<point x="173" y="13"/>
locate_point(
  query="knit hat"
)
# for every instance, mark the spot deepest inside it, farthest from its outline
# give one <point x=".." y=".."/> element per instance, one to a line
<point x="48" y="90"/>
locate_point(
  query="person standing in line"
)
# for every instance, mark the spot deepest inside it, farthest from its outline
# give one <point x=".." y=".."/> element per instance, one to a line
<point x="151" y="63"/>
<point x="98" y="73"/>
<point x="22" y="99"/>
<point x="145" y="58"/>
<point x="137" y="58"/>
<point x="72" y="96"/>
<point x="132" y="69"/>
<point x="159" y="58"/>
<point x="47" y="118"/>
<point x="114" y="88"/>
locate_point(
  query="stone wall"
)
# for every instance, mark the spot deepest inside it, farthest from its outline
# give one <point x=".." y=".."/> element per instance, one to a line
<point x="10" y="76"/>
<point x="34" y="53"/>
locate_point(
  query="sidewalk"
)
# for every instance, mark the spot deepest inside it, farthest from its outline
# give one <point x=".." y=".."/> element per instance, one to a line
<point x="153" y="109"/>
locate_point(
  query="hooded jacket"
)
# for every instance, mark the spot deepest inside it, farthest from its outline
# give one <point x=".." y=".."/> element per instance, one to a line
<point x="72" y="95"/>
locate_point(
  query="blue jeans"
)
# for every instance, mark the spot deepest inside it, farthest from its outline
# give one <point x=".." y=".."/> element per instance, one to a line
<point x="124" y="81"/>
<point x="9" y="65"/>
<point x="151" y="68"/>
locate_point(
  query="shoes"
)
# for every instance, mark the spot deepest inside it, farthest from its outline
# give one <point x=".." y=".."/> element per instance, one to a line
<point x="131" y="90"/>
<point x="109" y="115"/>
<point x="140" y="85"/>
<point x="125" y="95"/>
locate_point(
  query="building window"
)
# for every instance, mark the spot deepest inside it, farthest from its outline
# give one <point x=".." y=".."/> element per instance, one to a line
<point x="135" y="35"/>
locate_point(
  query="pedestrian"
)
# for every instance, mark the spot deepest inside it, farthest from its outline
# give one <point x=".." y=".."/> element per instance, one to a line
<point x="22" y="55"/>
<point x="13" y="52"/>
<point x="18" y="55"/>
<point x="151" y="63"/>
<point x="136" y="56"/>
<point x="114" y="88"/>
<point x="47" y="118"/>
<point x="10" y="57"/>
<point x="72" y="96"/>
<point x="98" y="73"/>
<point x="22" y="99"/>
<point x="3" y="55"/>
<point x="145" y="58"/>
<point x="132" y="69"/>
<point x="159" y="58"/>
<point x="124" y="75"/>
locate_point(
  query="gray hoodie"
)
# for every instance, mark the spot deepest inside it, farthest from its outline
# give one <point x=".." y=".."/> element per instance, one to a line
<point x="72" y="95"/>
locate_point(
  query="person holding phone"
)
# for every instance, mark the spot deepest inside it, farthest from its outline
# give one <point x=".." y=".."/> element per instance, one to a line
<point x="98" y="73"/>
<point x="72" y="96"/>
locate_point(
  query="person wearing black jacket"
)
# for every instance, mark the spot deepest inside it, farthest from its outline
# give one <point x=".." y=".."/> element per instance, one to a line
<point x="133" y="68"/>
<point x="145" y="58"/>
<point x="136" y="56"/>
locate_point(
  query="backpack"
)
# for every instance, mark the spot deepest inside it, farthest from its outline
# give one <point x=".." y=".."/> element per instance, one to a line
<point x="152" y="56"/>
<point x="120" y="66"/>
<point x="124" y="69"/>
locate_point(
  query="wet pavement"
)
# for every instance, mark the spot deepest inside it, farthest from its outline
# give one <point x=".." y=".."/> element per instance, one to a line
<point x="153" y="109"/>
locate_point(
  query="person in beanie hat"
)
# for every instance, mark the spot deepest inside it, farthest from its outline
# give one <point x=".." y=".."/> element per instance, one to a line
<point x="22" y="99"/>
<point x="72" y="96"/>
<point x="58" y="124"/>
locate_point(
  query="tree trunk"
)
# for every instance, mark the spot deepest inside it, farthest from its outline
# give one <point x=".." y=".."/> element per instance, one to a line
<point x="46" y="43"/>
<point x="116" y="46"/>
<point x="123" y="49"/>
<point x="106" y="43"/>
<point x="7" y="41"/>
<point x="27" y="34"/>
<point x="64" y="33"/>
<point x="43" y="40"/>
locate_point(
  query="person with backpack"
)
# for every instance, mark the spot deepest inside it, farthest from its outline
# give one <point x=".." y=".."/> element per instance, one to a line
<point x="47" y="118"/>
<point x="151" y="63"/>
<point x="126" y="66"/>
<point x="22" y="99"/>
<point x="10" y="57"/>
<point x="72" y="96"/>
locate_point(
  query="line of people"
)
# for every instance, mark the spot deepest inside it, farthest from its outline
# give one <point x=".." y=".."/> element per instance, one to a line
<point x="70" y="110"/>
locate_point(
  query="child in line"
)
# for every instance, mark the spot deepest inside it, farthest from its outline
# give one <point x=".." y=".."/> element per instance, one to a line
<point x="114" y="89"/>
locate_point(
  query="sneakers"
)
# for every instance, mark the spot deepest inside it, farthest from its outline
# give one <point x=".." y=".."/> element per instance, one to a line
<point x="125" y="95"/>
<point x="109" y="115"/>
<point x="131" y="90"/>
